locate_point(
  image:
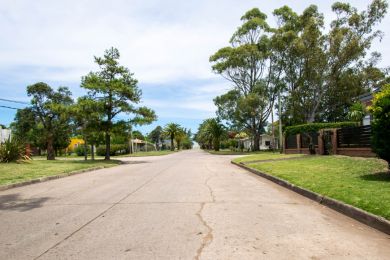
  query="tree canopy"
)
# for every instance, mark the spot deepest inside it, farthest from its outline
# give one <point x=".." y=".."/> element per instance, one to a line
<point x="115" y="89"/>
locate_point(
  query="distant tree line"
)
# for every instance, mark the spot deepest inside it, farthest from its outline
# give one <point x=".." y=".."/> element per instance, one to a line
<point x="54" y="116"/>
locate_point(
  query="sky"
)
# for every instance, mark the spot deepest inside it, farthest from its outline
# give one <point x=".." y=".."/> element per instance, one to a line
<point x="166" y="44"/>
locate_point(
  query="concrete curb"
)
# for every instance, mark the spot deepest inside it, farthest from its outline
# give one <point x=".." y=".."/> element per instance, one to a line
<point x="49" y="178"/>
<point x="360" y="215"/>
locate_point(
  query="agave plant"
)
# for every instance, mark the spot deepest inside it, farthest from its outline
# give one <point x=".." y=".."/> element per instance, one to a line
<point x="12" y="150"/>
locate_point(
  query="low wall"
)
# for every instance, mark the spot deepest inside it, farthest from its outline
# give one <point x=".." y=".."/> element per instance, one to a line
<point x="362" y="152"/>
<point x="300" y="151"/>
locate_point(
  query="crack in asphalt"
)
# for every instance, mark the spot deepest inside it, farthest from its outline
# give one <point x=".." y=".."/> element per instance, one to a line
<point x="105" y="211"/>
<point x="208" y="238"/>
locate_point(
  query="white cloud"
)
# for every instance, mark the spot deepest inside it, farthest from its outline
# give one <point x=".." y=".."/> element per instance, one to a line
<point x="160" y="41"/>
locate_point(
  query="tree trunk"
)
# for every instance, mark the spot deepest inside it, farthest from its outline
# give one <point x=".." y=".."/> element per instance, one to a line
<point x="216" y="144"/>
<point x="256" y="142"/>
<point x="85" y="150"/>
<point x="172" y="145"/>
<point x="92" y="152"/>
<point x="50" y="148"/>
<point x="108" y="144"/>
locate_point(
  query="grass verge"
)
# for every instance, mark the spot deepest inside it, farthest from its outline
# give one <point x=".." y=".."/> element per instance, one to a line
<point x="24" y="171"/>
<point x="360" y="182"/>
<point x="262" y="156"/>
<point x="230" y="152"/>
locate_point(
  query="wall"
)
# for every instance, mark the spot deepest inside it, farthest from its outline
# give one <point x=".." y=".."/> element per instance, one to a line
<point x="321" y="150"/>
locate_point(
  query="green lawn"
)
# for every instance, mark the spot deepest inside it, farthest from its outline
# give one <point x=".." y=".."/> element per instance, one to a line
<point x="35" y="169"/>
<point x="361" y="182"/>
<point x="138" y="154"/>
<point x="266" y="156"/>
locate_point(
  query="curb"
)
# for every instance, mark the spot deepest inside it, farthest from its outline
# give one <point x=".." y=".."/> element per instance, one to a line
<point x="360" y="215"/>
<point x="49" y="178"/>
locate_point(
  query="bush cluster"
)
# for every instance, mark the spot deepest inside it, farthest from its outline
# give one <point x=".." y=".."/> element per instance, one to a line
<point x="314" y="127"/>
<point x="115" y="149"/>
<point x="11" y="150"/>
<point x="79" y="150"/>
<point x="380" y="110"/>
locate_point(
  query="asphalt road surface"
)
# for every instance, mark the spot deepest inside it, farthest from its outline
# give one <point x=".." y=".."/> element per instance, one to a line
<point x="187" y="205"/>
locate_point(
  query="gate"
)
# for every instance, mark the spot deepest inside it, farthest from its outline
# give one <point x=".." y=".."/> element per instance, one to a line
<point x="327" y="141"/>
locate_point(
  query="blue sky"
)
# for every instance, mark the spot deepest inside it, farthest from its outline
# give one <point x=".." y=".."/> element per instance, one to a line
<point x="166" y="44"/>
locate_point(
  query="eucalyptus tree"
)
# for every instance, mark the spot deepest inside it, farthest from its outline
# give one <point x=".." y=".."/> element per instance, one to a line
<point x="254" y="71"/>
<point x="115" y="89"/>
<point x="50" y="109"/>
<point x="323" y="72"/>
<point x="348" y="44"/>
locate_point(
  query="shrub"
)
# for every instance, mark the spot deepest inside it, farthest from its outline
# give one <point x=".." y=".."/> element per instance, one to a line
<point x="357" y="112"/>
<point x="79" y="150"/>
<point x="11" y="151"/>
<point x="115" y="149"/>
<point x="314" y="127"/>
<point x="380" y="110"/>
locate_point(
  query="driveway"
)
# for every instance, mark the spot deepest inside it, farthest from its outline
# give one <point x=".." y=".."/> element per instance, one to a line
<point x="187" y="205"/>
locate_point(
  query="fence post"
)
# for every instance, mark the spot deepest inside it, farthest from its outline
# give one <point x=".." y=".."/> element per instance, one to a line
<point x="334" y="141"/>
<point x="298" y="136"/>
<point x="320" y="142"/>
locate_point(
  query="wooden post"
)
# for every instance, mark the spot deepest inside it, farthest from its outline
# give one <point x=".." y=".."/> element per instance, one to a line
<point x="298" y="136"/>
<point x="334" y="141"/>
<point x="321" y="149"/>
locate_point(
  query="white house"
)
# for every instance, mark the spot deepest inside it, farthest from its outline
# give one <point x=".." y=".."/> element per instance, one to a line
<point x="265" y="142"/>
<point x="5" y="134"/>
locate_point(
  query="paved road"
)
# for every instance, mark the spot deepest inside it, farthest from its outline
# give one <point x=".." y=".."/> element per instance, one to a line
<point x="189" y="205"/>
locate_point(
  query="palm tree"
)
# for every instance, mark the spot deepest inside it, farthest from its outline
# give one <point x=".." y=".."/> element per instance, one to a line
<point x="180" y="136"/>
<point x="217" y="130"/>
<point x="357" y="112"/>
<point x="210" y="133"/>
<point x="170" y="131"/>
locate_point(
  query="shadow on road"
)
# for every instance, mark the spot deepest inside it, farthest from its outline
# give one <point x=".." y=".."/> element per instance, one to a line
<point x="14" y="202"/>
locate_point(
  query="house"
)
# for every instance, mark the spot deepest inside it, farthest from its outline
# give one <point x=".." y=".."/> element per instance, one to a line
<point x="5" y="134"/>
<point x="265" y="142"/>
<point x="74" y="143"/>
<point x="366" y="99"/>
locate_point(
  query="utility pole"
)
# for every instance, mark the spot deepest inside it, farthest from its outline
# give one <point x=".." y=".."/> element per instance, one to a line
<point x="280" y="122"/>
<point x="272" y="129"/>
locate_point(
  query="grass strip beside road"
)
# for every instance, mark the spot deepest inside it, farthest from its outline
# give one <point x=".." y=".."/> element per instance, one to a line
<point x="360" y="182"/>
<point x="11" y="173"/>
<point x="263" y="156"/>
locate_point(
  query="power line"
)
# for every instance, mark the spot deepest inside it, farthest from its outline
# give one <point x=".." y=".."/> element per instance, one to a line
<point x="14" y="101"/>
<point x="10" y="107"/>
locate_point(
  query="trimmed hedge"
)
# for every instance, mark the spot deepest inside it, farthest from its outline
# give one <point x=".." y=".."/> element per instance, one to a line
<point x="314" y="127"/>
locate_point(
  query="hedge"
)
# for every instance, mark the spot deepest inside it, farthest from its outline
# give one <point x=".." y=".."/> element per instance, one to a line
<point x="79" y="150"/>
<point x="115" y="149"/>
<point x="314" y="127"/>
